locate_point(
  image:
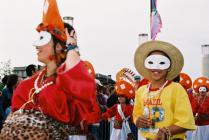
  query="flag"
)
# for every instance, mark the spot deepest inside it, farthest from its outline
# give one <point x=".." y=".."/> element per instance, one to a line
<point x="155" y="22"/>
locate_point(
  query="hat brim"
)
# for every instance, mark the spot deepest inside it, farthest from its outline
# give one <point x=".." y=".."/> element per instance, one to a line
<point x="176" y="57"/>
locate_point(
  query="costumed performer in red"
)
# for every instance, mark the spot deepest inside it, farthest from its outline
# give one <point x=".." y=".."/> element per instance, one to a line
<point x="201" y="108"/>
<point x="122" y="112"/>
<point x="59" y="100"/>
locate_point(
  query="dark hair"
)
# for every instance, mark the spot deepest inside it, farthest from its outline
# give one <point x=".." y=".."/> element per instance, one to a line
<point x="69" y="27"/>
<point x="63" y="44"/>
<point x="177" y="79"/>
<point x="12" y="81"/>
<point x="56" y="41"/>
<point x="30" y="69"/>
<point x="4" y="79"/>
<point x="127" y="100"/>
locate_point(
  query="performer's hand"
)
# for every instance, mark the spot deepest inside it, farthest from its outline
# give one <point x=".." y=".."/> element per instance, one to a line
<point x="161" y="135"/>
<point x="143" y="122"/>
<point x="73" y="56"/>
<point x="71" y="37"/>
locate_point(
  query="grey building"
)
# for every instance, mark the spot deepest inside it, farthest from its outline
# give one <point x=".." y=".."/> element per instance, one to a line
<point x="20" y="71"/>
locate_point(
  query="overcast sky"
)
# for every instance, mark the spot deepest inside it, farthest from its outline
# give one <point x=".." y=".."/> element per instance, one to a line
<point x="108" y="30"/>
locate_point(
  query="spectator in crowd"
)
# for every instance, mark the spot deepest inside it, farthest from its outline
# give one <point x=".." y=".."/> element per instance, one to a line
<point x="6" y="97"/>
<point x="112" y="99"/>
<point x="2" y="86"/>
<point x="162" y="109"/>
<point x="100" y="95"/>
<point x="3" y="82"/>
<point x="94" y="129"/>
<point x="31" y="70"/>
<point x="12" y="83"/>
<point x="186" y="82"/>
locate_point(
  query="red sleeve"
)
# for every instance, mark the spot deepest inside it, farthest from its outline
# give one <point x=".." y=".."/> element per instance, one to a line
<point x="110" y="112"/>
<point x="191" y="98"/>
<point x="52" y="101"/>
<point x="71" y="99"/>
<point x="20" y="94"/>
<point x="95" y="115"/>
<point x="80" y="85"/>
<point x="130" y="110"/>
<point x="76" y="81"/>
<point x="204" y="109"/>
<point x="194" y="104"/>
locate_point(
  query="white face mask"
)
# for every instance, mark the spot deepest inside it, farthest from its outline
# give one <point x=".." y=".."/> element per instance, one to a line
<point x="155" y="61"/>
<point x="43" y="39"/>
<point x="202" y="89"/>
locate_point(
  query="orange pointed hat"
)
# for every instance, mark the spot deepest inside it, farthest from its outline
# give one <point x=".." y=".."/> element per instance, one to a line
<point x="52" y="21"/>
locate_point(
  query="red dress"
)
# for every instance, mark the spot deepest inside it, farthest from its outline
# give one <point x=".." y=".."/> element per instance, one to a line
<point x="202" y="109"/>
<point x="113" y="111"/>
<point x="70" y="99"/>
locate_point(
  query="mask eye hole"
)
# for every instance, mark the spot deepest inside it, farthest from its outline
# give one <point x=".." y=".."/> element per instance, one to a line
<point x="162" y="63"/>
<point x="150" y="62"/>
<point x="41" y="37"/>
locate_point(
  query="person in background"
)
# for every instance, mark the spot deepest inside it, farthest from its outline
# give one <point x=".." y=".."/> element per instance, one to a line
<point x="186" y="82"/>
<point x="3" y="82"/>
<point x="162" y="110"/>
<point x="201" y="108"/>
<point x="112" y="99"/>
<point x="7" y="93"/>
<point x="121" y="111"/>
<point x="2" y="86"/>
<point x="100" y="95"/>
<point x="31" y="70"/>
<point x="94" y="129"/>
